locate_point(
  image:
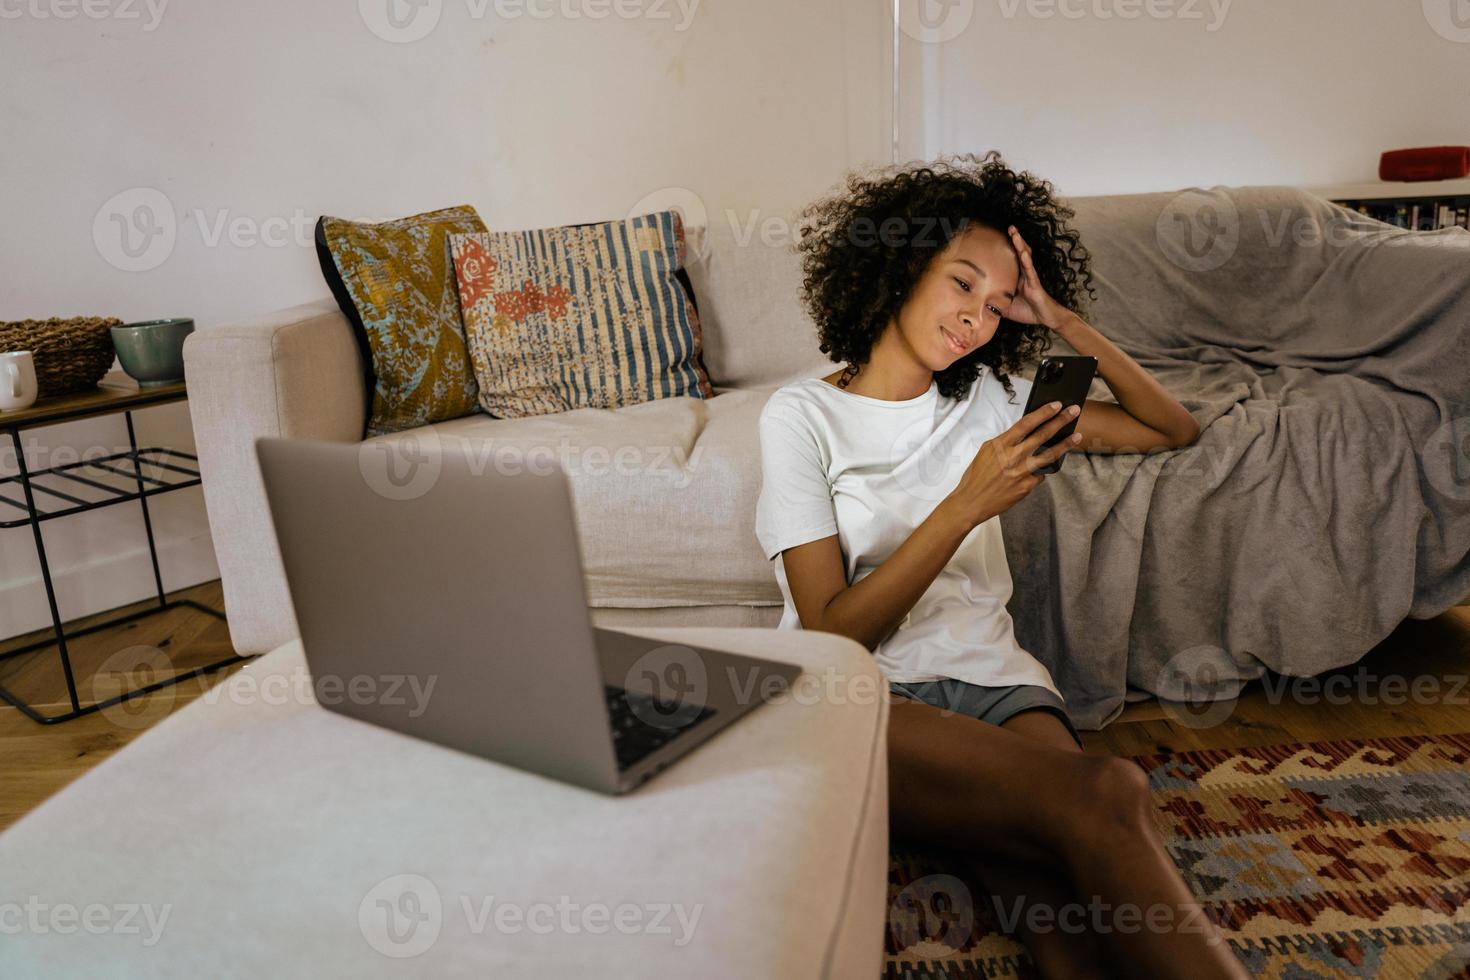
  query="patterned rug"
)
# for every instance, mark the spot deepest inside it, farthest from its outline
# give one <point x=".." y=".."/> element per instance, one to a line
<point x="1319" y="861"/>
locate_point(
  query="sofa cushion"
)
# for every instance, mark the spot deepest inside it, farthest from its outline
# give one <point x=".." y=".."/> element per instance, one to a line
<point x="664" y="492"/>
<point x="586" y="316"/>
<point x="756" y="334"/>
<point x="396" y="287"/>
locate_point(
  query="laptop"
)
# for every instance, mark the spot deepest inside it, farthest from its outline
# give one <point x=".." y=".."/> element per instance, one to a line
<point x="444" y="599"/>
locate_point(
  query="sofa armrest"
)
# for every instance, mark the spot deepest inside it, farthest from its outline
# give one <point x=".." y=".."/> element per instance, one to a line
<point x="775" y="833"/>
<point x="296" y="374"/>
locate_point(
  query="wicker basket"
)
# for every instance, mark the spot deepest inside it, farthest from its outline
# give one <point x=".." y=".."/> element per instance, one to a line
<point x="70" y="354"/>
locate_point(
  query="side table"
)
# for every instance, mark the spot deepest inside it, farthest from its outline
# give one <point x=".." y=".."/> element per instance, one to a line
<point x="60" y="486"/>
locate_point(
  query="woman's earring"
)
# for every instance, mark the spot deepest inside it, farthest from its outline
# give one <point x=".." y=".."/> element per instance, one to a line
<point x="848" y="373"/>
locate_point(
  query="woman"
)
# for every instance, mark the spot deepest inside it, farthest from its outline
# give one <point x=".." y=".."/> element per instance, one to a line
<point x="881" y="492"/>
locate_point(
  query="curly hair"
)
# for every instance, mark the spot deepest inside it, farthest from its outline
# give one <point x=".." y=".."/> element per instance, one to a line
<point x="864" y="250"/>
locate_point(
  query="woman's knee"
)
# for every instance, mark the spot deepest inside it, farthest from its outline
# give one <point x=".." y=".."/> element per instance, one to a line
<point x="1120" y="793"/>
<point x="963" y="783"/>
<point x="1106" y="801"/>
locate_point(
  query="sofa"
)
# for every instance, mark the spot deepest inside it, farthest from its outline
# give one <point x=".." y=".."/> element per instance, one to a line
<point x="664" y="491"/>
<point x="1323" y="353"/>
<point x="301" y="841"/>
<point x="254" y="834"/>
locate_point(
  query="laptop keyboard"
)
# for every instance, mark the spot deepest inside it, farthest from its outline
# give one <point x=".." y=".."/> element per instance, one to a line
<point x="642" y="724"/>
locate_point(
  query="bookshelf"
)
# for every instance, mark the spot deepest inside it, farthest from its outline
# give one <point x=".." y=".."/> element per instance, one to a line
<point x="1422" y="205"/>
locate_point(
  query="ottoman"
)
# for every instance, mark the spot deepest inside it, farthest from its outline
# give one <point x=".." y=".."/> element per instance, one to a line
<point x="254" y="833"/>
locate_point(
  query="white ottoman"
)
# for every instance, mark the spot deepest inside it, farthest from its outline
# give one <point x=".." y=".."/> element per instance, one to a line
<point x="255" y="834"/>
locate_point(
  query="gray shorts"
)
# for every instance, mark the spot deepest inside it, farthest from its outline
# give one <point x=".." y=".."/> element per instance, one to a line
<point x="989" y="704"/>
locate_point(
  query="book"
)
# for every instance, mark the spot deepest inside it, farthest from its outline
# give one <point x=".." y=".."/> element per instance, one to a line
<point x="1415" y="213"/>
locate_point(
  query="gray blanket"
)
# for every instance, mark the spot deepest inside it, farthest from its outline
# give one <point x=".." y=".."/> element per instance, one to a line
<point x="1326" y="357"/>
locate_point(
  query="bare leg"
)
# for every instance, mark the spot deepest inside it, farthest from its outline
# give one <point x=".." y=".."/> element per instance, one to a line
<point x="1058" y="951"/>
<point x="1017" y="888"/>
<point x="1002" y="795"/>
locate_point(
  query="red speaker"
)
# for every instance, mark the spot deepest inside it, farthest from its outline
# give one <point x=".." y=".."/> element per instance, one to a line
<point x="1425" y="163"/>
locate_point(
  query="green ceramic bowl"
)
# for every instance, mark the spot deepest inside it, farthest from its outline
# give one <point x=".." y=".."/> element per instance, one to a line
<point x="152" y="352"/>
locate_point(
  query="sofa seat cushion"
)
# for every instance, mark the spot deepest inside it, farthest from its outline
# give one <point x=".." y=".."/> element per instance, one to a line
<point x="256" y="834"/>
<point x="664" y="492"/>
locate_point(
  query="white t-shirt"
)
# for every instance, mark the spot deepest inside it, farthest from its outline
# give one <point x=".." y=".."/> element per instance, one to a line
<point x="870" y="471"/>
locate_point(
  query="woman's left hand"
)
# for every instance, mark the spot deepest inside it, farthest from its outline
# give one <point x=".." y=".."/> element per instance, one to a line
<point x="1032" y="303"/>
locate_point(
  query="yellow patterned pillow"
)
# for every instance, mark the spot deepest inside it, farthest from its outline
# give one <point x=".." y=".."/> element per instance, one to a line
<point x="589" y="316"/>
<point x="395" y="283"/>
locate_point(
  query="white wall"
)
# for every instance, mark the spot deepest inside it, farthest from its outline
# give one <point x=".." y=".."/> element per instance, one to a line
<point x="252" y="119"/>
<point x="1200" y="92"/>
<point x="259" y="117"/>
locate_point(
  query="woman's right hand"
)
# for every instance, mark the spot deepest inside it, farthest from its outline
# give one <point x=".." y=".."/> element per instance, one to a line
<point x="1004" y="470"/>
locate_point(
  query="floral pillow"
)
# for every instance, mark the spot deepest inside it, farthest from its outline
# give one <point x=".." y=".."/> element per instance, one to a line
<point x="396" y="286"/>
<point x="585" y="316"/>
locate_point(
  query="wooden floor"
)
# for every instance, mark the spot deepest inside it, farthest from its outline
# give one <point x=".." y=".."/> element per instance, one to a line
<point x="1375" y="697"/>
<point x="37" y="760"/>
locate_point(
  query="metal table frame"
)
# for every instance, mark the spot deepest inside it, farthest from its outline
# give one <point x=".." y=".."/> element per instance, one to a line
<point x="71" y="476"/>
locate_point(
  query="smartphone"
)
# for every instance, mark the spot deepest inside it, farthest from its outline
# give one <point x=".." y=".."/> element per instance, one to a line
<point x="1065" y="380"/>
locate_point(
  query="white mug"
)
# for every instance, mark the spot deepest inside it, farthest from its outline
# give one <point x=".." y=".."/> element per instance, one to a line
<point x="17" y="380"/>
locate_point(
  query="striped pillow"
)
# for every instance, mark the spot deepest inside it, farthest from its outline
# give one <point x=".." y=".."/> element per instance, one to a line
<point x="586" y="316"/>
